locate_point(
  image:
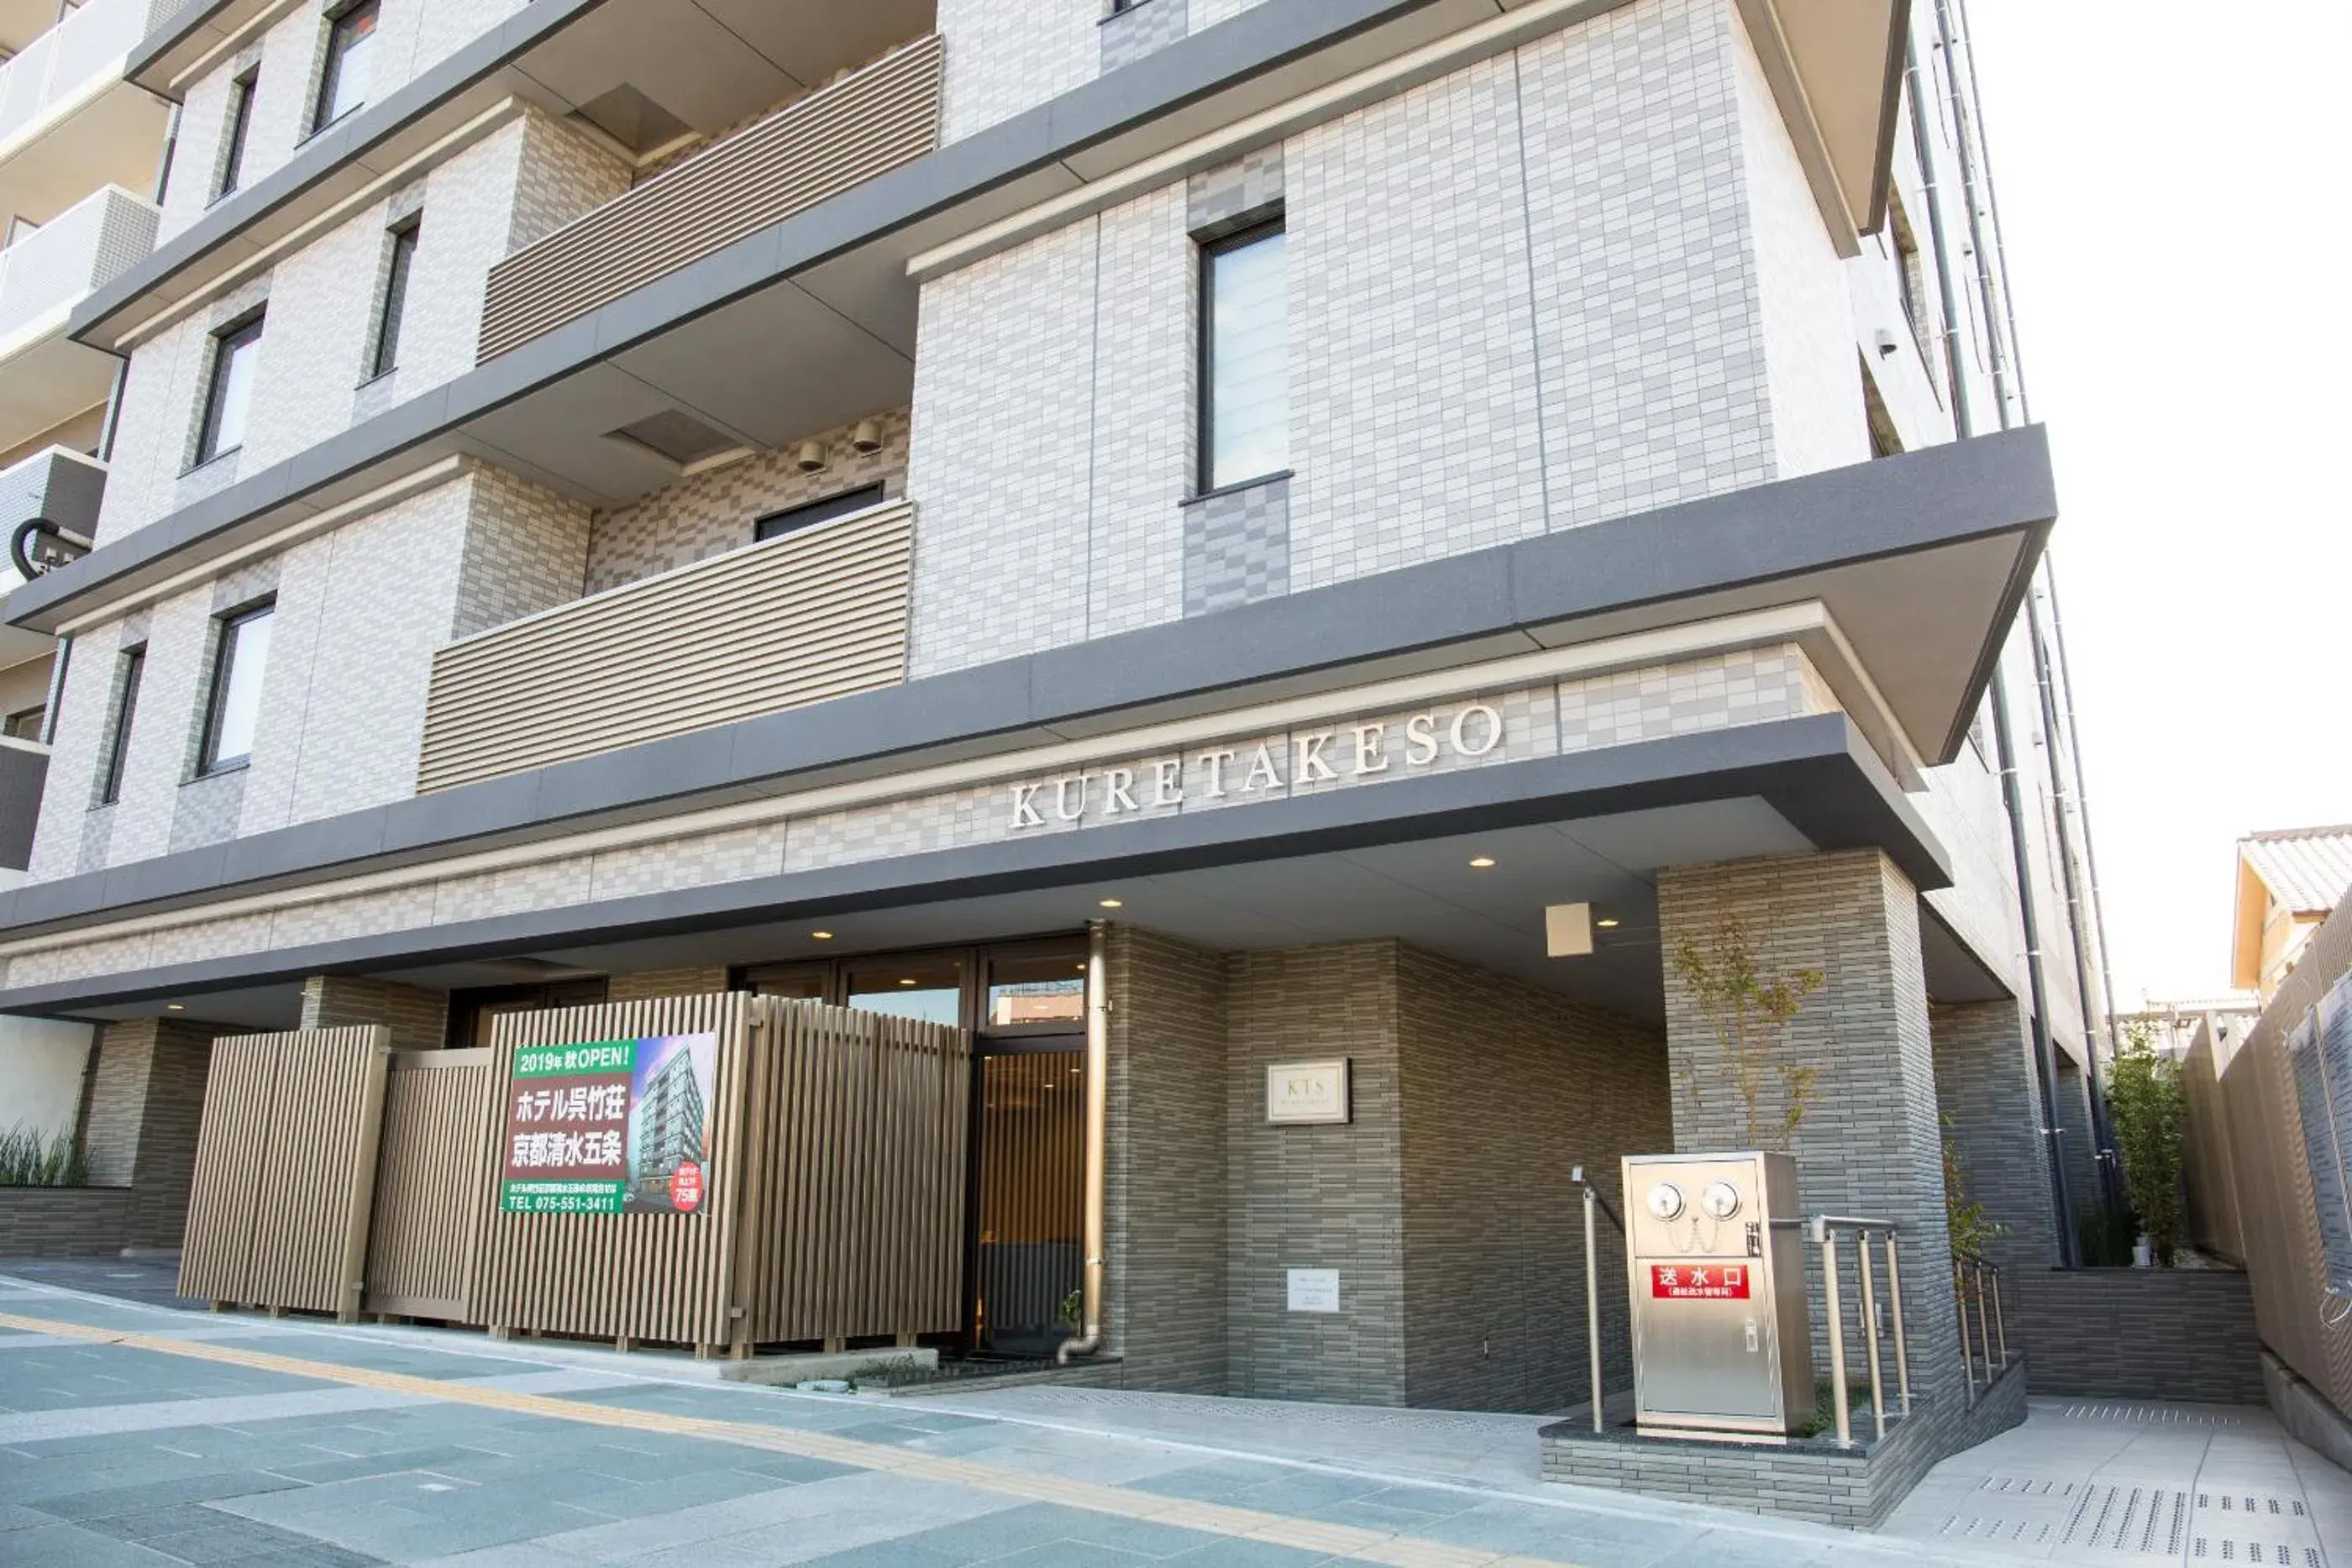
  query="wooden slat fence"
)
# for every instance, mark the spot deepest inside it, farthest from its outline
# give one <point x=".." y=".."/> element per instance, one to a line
<point x="860" y="1123"/>
<point x="836" y="1192"/>
<point x="430" y="1197"/>
<point x="285" y="1180"/>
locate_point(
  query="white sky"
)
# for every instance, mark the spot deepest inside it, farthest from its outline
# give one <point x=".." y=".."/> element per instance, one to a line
<point x="2171" y="188"/>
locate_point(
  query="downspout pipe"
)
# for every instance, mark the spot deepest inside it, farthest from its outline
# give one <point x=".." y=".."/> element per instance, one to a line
<point x="2004" y="739"/>
<point x="1090" y="1280"/>
<point x="2046" y="1050"/>
<point x="2009" y="395"/>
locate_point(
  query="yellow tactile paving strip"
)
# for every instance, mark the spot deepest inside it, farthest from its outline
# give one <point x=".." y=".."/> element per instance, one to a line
<point x="1239" y="1523"/>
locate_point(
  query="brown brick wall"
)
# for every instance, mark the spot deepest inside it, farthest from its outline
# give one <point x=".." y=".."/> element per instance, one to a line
<point x="147" y="1099"/>
<point x="1507" y="1088"/>
<point x="1985" y="1082"/>
<point x="1315" y="1197"/>
<point x="63" y="1222"/>
<point x="1164" y="1175"/>
<point x="1871" y="1143"/>
<point x="417" y="1018"/>
<point x="652" y="984"/>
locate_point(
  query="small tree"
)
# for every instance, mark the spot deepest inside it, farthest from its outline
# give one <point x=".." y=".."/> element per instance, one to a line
<point x="1750" y="1013"/>
<point x="2150" y="1111"/>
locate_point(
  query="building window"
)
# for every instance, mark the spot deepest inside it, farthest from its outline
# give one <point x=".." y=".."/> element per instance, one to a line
<point x="350" y="45"/>
<point x="25" y="725"/>
<point x="1246" y="359"/>
<point x="793" y="519"/>
<point x="235" y="708"/>
<point x="229" y="391"/>
<point x="386" y="358"/>
<point x="118" y="733"/>
<point x="240" y="125"/>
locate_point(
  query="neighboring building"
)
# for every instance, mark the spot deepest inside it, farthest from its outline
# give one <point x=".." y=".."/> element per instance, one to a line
<point x="2171" y="1028"/>
<point x="80" y="152"/>
<point x="832" y="500"/>
<point x="2289" y="881"/>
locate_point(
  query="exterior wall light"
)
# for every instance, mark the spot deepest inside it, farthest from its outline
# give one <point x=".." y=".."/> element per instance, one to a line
<point x="812" y="457"/>
<point x="867" y="436"/>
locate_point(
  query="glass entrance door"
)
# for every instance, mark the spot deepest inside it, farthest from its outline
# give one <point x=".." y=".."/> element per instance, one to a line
<point x="1030" y="1216"/>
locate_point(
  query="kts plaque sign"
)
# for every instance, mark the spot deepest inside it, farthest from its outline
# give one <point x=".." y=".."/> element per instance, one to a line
<point x="612" y="1126"/>
<point x="1698" y="1282"/>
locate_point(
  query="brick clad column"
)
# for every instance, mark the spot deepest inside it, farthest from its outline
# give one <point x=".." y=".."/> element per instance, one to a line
<point x="651" y="984"/>
<point x="1870" y="1143"/>
<point x="147" y="1100"/>
<point x="1985" y="1080"/>
<point x="418" y="1017"/>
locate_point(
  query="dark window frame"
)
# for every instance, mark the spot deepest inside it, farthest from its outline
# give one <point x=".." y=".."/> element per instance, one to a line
<point x="133" y="664"/>
<point x="241" y="92"/>
<point x="342" y="40"/>
<point x="243" y="334"/>
<point x="1204" y="413"/>
<point x="226" y="629"/>
<point x="809" y="514"/>
<point x="393" y="313"/>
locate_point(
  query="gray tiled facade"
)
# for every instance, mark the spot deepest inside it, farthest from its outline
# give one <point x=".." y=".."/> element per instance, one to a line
<point x="1869" y="1142"/>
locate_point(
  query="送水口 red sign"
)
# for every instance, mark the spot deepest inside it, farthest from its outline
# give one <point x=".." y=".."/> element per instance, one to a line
<point x="1698" y="1282"/>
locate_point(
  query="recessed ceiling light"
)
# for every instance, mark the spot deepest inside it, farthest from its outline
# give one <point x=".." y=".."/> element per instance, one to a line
<point x="1483" y="862"/>
<point x="1606" y="925"/>
<point x="907" y="982"/>
<point x="1113" y="904"/>
<point x="176" y="1006"/>
<point x="822" y="935"/>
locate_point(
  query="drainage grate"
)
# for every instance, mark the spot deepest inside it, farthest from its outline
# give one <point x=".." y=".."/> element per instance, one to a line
<point x="2266" y="1529"/>
<point x="2139" y="1521"/>
<point x="2153" y="1415"/>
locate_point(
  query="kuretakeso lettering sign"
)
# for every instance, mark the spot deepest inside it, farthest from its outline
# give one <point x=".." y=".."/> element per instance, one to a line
<point x="611" y="1127"/>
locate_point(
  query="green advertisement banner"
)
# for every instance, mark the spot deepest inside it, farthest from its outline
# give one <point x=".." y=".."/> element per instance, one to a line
<point x="612" y="1126"/>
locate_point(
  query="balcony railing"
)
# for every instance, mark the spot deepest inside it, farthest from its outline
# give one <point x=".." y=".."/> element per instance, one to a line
<point x="81" y="54"/>
<point x="91" y="243"/>
<point x="798" y="620"/>
<point x="865" y="124"/>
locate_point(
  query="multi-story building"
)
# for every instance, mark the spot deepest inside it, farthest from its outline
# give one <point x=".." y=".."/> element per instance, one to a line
<point x="1403" y="513"/>
<point x="79" y="152"/>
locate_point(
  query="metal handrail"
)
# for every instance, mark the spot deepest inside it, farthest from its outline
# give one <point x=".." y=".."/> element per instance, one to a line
<point x="1987" y="1348"/>
<point x="1594" y="1202"/>
<point x="1823" y="1230"/>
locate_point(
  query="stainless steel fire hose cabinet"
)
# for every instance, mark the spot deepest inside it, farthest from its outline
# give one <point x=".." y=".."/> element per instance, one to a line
<point x="1716" y="1267"/>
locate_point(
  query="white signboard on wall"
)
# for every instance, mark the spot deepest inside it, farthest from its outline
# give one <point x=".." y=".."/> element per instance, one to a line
<point x="1315" y="1289"/>
<point x="1307" y="1092"/>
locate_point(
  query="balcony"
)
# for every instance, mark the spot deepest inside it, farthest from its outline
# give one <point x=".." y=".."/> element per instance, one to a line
<point x="49" y="377"/>
<point x="865" y="124"/>
<point x="813" y="615"/>
<point x="69" y="120"/>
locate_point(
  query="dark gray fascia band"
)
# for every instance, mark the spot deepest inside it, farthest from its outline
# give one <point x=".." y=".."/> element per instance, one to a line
<point x="1260" y="40"/>
<point x="1816" y="771"/>
<point x="1942" y="495"/>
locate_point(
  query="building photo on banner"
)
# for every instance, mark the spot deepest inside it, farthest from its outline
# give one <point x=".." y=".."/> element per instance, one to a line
<point x="1425" y="780"/>
<point x="616" y="1126"/>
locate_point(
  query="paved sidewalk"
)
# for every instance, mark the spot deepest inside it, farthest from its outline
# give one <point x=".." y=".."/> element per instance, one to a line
<point x="133" y="1434"/>
<point x="2127" y="1483"/>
